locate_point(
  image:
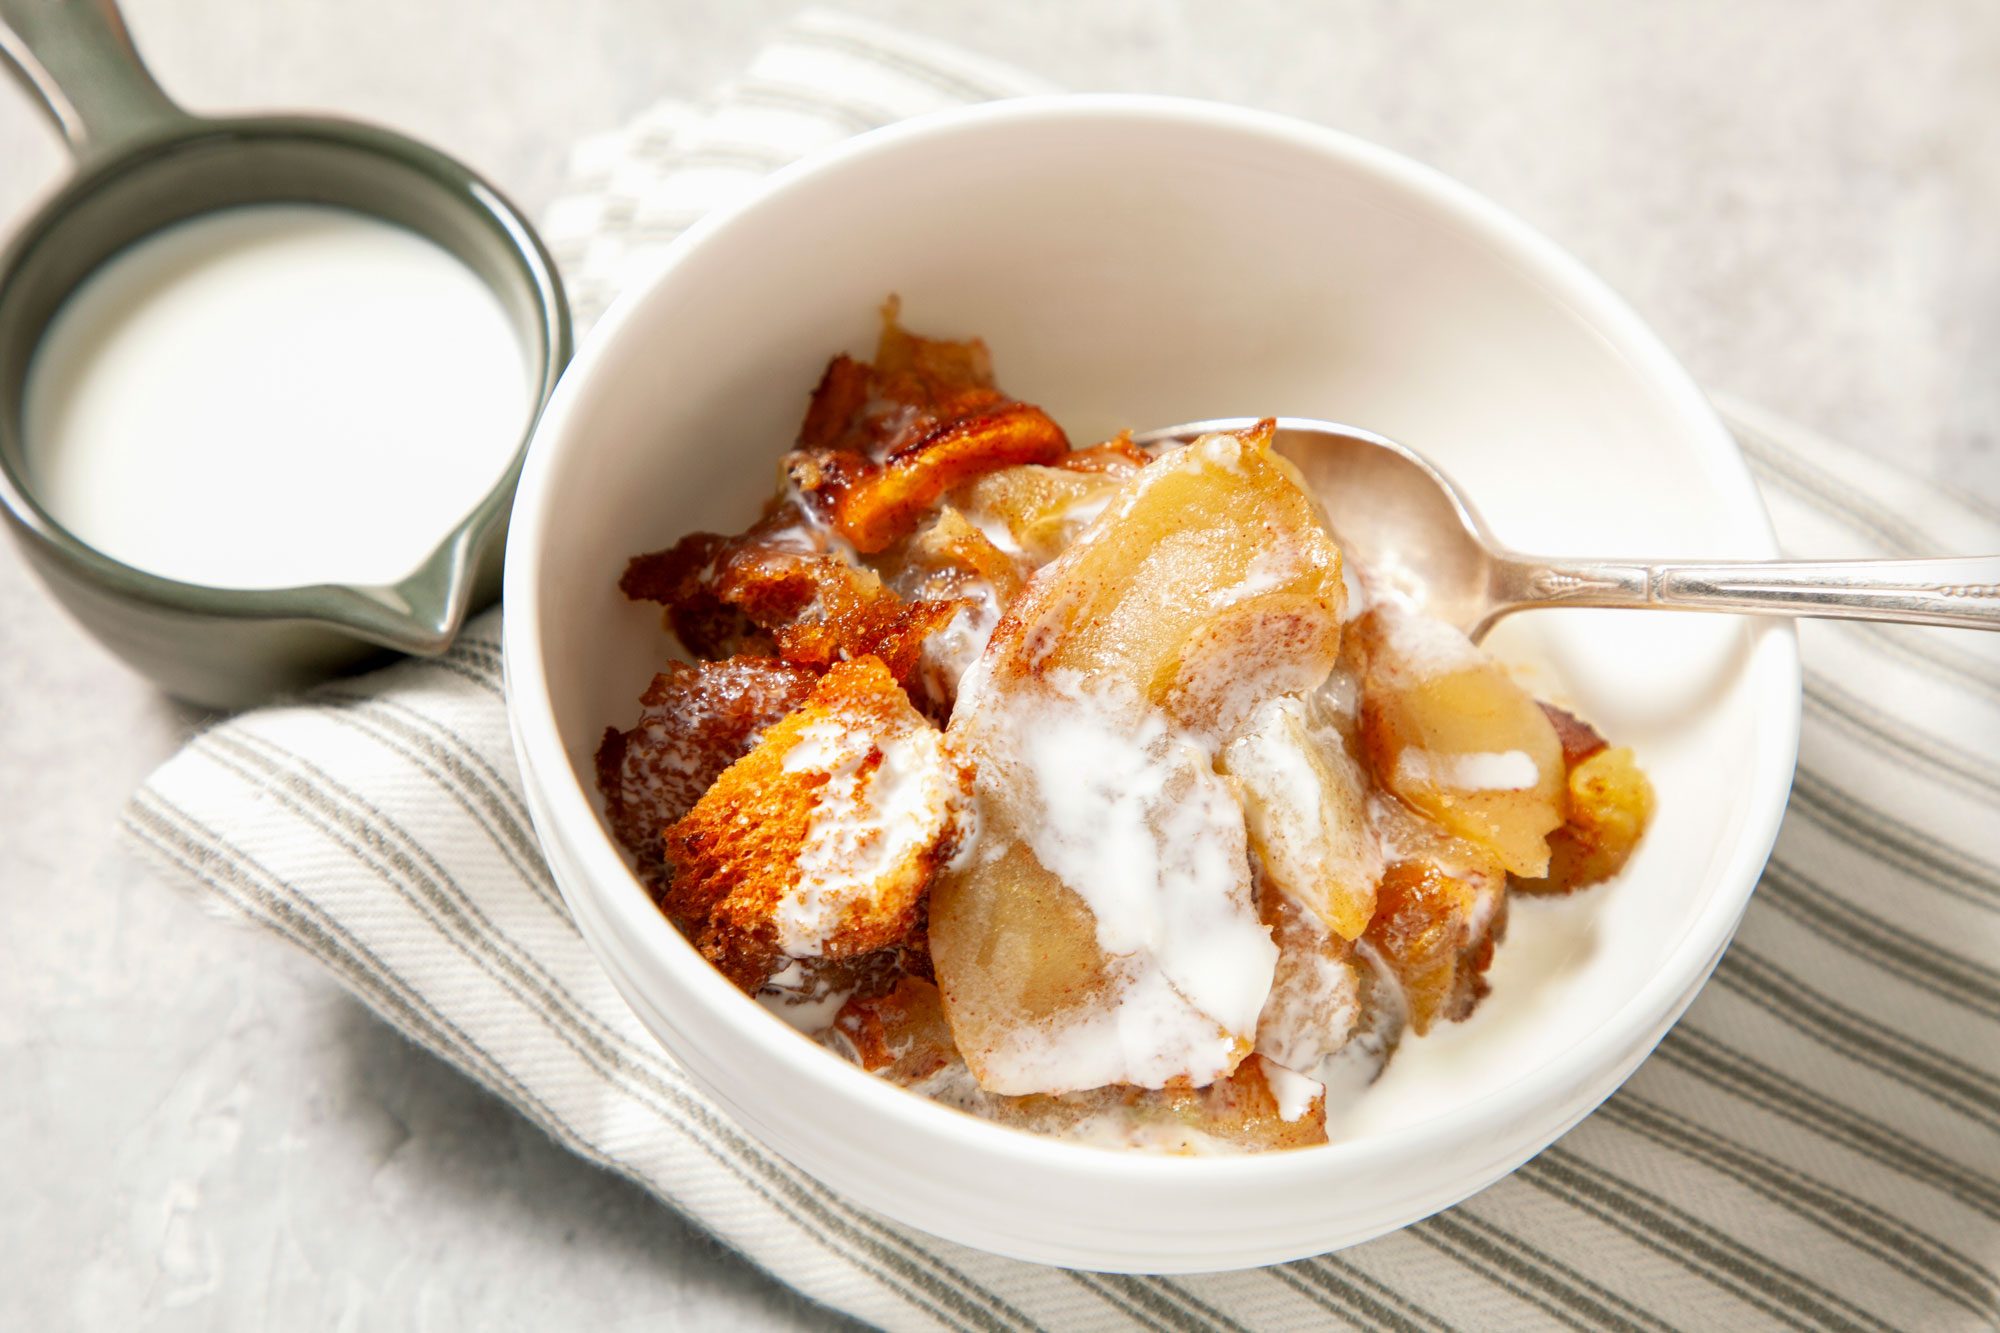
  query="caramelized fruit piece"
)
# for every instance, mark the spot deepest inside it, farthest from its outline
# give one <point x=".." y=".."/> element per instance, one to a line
<point x="1448" y="731"/>
<point x="1226" y="668"/>
<point x="1610" y="804"/>
<point x="694" y="721"/>
<point x="1467" y="921"/>
<point x="1038" y="510"/>
<point x="1305" y="801"/>
<point x="1241" y="1110"/>
<point x="1440" y="908"/>
<point x="1247" y="1108"/>
<point x="948" y="555"/>
<point x="1218" y="526"/>
<point x="1117" y="456"/>
<point x="876" y="507"/>
<point x="1419" y="932"/>
<point x="1105" y="930"/>
<point x="882" y="443"/>
<point x="819" y="842"/>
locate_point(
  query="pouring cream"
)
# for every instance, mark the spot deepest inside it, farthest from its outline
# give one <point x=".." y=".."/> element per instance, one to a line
<point x="271" y="396"/>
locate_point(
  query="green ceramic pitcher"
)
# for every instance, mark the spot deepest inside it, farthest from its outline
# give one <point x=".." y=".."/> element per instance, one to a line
<point x="142" y="164"/>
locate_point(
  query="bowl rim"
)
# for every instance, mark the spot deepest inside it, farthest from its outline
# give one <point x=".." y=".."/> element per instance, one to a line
<point x="1770" y="662"/>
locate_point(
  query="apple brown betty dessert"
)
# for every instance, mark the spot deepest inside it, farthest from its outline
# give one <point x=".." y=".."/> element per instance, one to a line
<point x="1085" y="789"/>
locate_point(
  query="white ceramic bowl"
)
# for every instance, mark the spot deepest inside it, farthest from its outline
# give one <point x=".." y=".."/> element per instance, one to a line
<point x="1139" y="261"/>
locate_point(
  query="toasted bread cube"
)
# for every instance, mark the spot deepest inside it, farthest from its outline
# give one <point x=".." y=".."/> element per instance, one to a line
<point x="695" y="721"/>
<point x="886" y="502"/>
<point x="819" y="842"/>
<point x="1610" y="804"/>
<point x="900" y="1034"/>
<point x="1436" y="932"/>
<point x="882" y="443"/>
<point x="1579" y="739"/>
<point x="772" y="590"/>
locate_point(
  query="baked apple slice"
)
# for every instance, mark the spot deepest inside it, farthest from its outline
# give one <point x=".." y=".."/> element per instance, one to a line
<point x="1610" y="804"/>
<point x="1306" y="801"/>
<point x="1104" y="928"/>
<point x="1450" y="732"/>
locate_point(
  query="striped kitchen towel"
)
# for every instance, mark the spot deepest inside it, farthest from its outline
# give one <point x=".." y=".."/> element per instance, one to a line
<point x="1817" y="1144"/>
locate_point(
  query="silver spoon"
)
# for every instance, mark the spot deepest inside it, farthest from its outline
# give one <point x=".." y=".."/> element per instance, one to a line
<point x="1414" y="530"/>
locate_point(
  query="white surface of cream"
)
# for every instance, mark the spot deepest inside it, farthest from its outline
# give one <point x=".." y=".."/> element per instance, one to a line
<point x="950" y="653"/>
<point x="1484" y="770"/>
<point x="273" y="396"/>
<point x="1419" y="647"/>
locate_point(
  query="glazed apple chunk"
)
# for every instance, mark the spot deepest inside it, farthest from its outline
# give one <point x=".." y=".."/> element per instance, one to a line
<point x="1449" y="732"/>
<point x="1306" y="802"/>
<point x="1610" y="805"/>
<point x="1105" y="930"/>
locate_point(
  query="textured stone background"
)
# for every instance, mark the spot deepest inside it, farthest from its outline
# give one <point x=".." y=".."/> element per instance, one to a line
<point x="199" y="1130"/>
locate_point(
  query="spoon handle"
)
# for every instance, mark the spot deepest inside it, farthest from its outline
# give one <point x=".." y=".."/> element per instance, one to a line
<point x="1953" y="590"/>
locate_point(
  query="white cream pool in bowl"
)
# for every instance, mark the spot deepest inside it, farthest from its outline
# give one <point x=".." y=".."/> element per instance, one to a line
<point x="1134" y="262"/>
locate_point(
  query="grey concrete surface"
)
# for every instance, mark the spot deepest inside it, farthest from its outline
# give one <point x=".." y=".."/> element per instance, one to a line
<point x="198" y="1130"/>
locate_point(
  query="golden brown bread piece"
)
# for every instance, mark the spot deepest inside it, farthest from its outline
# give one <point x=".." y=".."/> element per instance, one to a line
<point x="760" y="592"/>
<point x="1430" y="930"/>
<point x="694" y="721"/>
<point x="900" y="1034"/>
<point x="880" y="447"/>
<point x="820" y="841"/>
